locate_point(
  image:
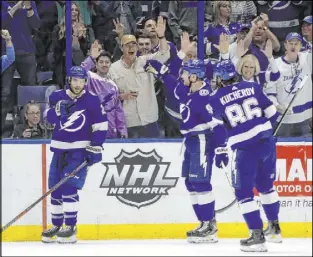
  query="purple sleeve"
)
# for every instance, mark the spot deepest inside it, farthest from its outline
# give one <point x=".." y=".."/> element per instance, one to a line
<point x="181" y="92"/>
<point x="120" y="118"/>
<point x="51" y="114"/>
<point x="88" y="63"/>
<point x="173" y="50"/>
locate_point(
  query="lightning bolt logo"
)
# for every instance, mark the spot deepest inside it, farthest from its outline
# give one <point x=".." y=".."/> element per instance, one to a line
<point x="204" y="166"/>
<point x="70" y="121"/>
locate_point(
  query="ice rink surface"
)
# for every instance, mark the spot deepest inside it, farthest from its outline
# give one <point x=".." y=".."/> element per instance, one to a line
<point x="225" y="247"/>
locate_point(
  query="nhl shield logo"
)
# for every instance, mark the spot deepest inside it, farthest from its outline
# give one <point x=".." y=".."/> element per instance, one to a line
<point x="138" y="178"/>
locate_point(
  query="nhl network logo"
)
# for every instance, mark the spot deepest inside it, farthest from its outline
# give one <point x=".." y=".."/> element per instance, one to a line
<point x="138" y="178"/>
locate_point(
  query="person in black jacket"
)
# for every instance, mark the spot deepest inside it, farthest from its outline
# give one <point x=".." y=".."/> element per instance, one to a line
<point x="31" y="128"/>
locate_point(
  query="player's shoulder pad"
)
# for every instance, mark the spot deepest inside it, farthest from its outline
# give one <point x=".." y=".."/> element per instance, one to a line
<point x="55" y="96"/>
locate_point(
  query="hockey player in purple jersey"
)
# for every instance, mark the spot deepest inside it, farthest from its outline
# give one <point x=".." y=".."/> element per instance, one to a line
<point x="249" y="117"/>
<point x="80" y="130"/>
<point x="201" y="138"/>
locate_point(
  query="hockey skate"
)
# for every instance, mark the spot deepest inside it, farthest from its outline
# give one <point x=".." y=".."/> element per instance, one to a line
<point x="207" y="233"/>
<point x="273" y="233"/>
<point x="192" y="232"/>
<point x="67" y="235"/>
<point x="49" y="235"/>
<point x="255" y="243"/>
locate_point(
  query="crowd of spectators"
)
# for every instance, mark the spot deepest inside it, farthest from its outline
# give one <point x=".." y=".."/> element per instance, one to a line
<point x="113" y="40"/>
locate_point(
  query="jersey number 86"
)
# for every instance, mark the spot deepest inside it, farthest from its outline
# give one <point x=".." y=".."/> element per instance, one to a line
<point x="237" y="113"/>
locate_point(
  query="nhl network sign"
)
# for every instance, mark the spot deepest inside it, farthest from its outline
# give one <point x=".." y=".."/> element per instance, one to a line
<point x="138" y="178"/>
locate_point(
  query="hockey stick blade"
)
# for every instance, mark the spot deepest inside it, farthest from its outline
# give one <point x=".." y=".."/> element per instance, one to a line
<point x="61" y="182"/>
<point x="291" y="102"/>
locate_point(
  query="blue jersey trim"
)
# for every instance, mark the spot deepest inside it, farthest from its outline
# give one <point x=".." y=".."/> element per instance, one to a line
<point x="135" y="140"/>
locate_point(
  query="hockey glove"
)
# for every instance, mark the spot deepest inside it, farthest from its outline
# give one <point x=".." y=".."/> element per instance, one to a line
<point x="94" y="154"/>
<point x="155" y="67"/>
<point x="221" y="156"/>
<point x="65" y="108"/>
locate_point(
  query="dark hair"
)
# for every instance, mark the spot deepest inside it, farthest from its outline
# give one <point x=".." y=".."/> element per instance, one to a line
<point x="141" y="35"/>
<point x="147" y="19"/>
<point x="104" y="54"/>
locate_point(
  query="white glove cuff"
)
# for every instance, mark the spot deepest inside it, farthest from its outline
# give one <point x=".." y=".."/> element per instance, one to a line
<point x="94" y="149"/>
<point x="221" y="150"/>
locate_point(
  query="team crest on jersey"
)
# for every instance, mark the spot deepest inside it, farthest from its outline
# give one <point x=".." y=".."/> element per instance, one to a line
<point x="74" y="122"/>
<point x="204" y="92"/>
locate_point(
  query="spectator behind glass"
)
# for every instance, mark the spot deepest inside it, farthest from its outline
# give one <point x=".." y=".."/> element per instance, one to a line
<point x="149" y="26"/>
<point x="57" y="50"/>
<point x="31" y="128"/>
<point x="103" y="26"/>
<point x="293" y="66"/>
<point x="127" y="12"/>
<point x="19" y="19"/>
<point x="243" y="12"/>
<point x="136" y="86"/>
<point x="248" y="68"/>
<point x="153" y="9"/>
<point x="306" y="31"/>
<point x="144" y="44"/>
<point x="240" y="36"/>
<point x="221" y="24"/>
<point x="8" y="59"/>
<point x="256" y="40"/>
<point x="283" y="17"/>
<point x="48" y="14"/>
<point x="183" y="16"/>
<point x="107" y="91"/>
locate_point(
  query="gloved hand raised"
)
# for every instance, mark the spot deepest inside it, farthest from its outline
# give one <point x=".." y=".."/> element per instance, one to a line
<point x="94" y="154"/>
<point x="65" y="107"/>
<point x="156" y="68"/>
<point x="221" y="156"/>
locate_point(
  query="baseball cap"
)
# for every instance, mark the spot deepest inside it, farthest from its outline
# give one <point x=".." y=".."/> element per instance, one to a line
<point x="127" y="39"/>
<point x="293" y="35"/>
<point x="308" y="19"/>
<point x="244" y="26"/>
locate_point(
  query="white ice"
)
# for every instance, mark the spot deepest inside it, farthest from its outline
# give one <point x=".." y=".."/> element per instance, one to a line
<point x="225" y="247"/>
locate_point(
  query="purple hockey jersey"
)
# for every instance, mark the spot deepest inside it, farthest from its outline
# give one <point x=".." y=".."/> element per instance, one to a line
<point x="87" y="125"/>
<point x="107" y="92"/>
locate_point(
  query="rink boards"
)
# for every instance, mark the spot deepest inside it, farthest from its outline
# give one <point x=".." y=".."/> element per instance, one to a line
<point x="137" y="193"/>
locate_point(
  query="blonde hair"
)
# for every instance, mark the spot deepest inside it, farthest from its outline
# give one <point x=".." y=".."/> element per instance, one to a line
<point x="253" y="59"/>
<point x="63" y="25"/>
<point x="217" y="12"/>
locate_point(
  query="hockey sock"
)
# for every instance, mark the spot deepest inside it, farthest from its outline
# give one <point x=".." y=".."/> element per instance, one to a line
<point x="206" y="203"/>
<point x="57" y="208"/>
<point x="270" y="203"/>
<point x="251" y="213"/>
<point x="195" y="205"/>
<point x="70" y="203"/>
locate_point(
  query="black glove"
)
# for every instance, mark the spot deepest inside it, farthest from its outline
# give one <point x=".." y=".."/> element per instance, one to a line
<point x="65" y="107"/>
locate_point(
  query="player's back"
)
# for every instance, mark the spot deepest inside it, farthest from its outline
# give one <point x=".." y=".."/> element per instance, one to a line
<point x="246" y="111"/>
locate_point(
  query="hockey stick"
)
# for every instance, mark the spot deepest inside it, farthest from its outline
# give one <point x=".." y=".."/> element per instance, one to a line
<point x="290" y="104"/>
<point x="229" y="182"/>
<point x="61" y="182"/>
